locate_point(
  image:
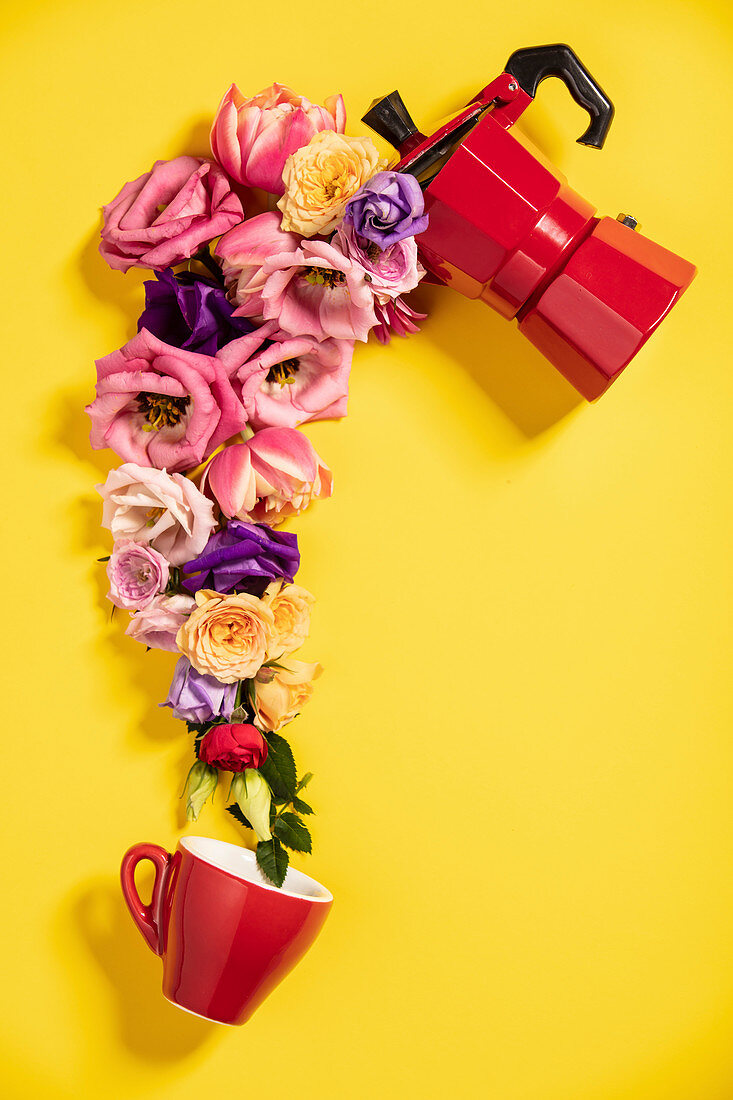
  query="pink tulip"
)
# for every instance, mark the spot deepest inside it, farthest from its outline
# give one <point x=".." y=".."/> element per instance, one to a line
<point x="252" y="138"/>
<point x="271" y="477"/>
<point x="165" y="215"/>
<point x="244" y="250"/>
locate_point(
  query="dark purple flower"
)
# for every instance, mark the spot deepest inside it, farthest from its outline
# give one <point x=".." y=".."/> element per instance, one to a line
<point x="243" y="557"/>
<point x="192" y="313"/>
<point x="196" y="698"/>
<point x="388" y="208"/>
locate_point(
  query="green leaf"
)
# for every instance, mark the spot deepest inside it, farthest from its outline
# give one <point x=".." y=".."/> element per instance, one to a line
<point x="301" y="806"/>
<point x="304" y="782"/>
<point x="238" y="815"/>
<point x="293" y="833"/>
<point x="104" y="559"/>
<point x="279" y="768"/>
<point x="272" y="860"/>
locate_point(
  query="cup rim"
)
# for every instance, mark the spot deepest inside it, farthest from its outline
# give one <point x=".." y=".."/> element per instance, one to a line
<point x="295" y="876"/>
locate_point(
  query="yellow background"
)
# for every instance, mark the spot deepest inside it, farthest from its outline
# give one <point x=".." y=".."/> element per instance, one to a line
<point x="522" y="743"/>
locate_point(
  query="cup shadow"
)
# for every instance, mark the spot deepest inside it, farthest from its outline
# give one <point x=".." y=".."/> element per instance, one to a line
<point x="149" y="1026"/>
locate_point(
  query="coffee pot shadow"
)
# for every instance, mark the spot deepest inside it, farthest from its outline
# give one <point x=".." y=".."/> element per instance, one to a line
<point x="149" y="1026"/>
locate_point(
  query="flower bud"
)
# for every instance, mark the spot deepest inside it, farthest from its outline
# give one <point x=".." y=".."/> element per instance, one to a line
<point x="201" y="783"/>
<point x="252" y="794"/>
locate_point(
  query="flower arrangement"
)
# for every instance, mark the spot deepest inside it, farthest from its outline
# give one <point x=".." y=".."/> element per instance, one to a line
<point x="247" y="333"/>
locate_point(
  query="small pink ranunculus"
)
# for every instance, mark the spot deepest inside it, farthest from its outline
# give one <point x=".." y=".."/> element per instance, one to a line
<point x="391" y="271"/>
<point x="271" y="477"/>
<point x="252" y="138"/>
<point x="164" y="510"/>
<point x="137" y="573"/>
<point x="243" y="251"/>
<point x="158" y="623"/>
<point x="318" y="291"/>
<point x="294" y="379"/>
<point x="167" y="214"/>
<point x="166" y="407"/>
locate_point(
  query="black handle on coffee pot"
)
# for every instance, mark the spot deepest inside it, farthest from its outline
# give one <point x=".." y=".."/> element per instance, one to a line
<point x="531" y="65"/>
<point x="389" y="117"/>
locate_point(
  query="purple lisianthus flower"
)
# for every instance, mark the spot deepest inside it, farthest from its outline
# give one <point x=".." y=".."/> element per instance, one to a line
<point x="190" y="312"/>
<point x="243" y="557"/>
<point x="194" y="697"/>
<point x="388" y="208"/>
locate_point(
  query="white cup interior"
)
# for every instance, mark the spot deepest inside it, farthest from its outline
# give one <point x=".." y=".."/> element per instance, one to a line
<point x="242" y="863"/>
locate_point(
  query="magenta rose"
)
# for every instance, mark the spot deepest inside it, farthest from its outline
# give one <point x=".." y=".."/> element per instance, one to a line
<point x="233" y="747"/>
<point x="252" y="138"/>
<point x="137" y="573"/>
<point x="168" y="213"/>
<point x="167" y="407"/>
<point x="293" y="379"/>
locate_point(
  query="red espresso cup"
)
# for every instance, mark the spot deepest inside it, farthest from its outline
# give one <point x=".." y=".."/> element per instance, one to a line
<point x="227" y="937"/>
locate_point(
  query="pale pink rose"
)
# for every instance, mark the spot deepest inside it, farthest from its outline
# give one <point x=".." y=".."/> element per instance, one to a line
<point x="162" y="406"/>
<point x="252" y="138"/>
<point x="151" y="506"/>
<point x="280" y="694"/>
<point x="168" y="213"/>
<point x="293" y="379"/>
<point x="317" y="291"/>
<point x="242" y="253"/>
<point x="137" y="573"/>
<point x="158" y="623"/>
<point x="391" y="271"/>
<point x="271" y="477"/>
<point x="395" y="317"/>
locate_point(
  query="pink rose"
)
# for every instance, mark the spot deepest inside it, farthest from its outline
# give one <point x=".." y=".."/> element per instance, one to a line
<point x="165" y="215"/>
<point x="243" y="251"/>
<point x="252" y="138"/>
<point x="166" y="407"/>
<point x="158" y="623"/>
<point x="293" y="379"/>
<point x="271" y="477"/>
<point x="390" y="271"/>
<point x="317" y="291"/>
<point x="164" y="510"/>
<point x="137" y="573"/>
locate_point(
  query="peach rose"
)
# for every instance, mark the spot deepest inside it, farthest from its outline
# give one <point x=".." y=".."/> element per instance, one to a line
<point x="227" y="636"/>
<point x="291" y="605"/>
<point x="321" y="177"/>
<point x="280" y="694"/>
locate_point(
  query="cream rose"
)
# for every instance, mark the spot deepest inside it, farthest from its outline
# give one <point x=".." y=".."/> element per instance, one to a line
<point x="291" y="605"/>
<point x="227" y="636"/>
<point x="321" y="177"/>
<point x="280" y="694"/>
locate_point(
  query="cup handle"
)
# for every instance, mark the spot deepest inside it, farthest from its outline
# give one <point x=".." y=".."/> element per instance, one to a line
<point x="148" y="918"/>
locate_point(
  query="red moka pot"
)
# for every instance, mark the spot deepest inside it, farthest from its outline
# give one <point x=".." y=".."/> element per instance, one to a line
<point x="506" y="227"/>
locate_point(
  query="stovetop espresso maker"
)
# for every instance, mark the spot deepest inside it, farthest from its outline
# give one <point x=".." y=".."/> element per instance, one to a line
<point x="504" y="225"/>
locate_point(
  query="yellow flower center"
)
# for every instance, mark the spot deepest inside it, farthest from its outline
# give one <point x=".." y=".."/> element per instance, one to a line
<point x="284" y="372"/>
<point x="161" y="411"/>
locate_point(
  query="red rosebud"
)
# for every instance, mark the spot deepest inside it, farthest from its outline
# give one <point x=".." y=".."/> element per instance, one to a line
<point x="233" y="747"/>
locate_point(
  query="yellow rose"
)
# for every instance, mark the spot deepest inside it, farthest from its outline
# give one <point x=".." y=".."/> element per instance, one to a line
<point x="227" y="636"/>
<point x="321" y="177"/>
<point x="291" y="605"/>
<point x="281" y="693"/>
